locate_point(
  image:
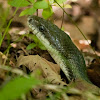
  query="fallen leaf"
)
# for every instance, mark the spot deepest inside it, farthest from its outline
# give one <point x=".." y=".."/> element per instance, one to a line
<point x="49" y="71"/>
<point x="2" y="58"/>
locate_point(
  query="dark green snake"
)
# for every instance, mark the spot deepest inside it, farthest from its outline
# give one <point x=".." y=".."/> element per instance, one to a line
<point x="60" y="47"/>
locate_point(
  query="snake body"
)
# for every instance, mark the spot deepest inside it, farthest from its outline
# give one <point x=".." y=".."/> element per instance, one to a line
<point x="60" y="47"/>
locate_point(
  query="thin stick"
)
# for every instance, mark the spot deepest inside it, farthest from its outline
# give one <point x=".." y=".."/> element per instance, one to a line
<point x="62" y="17"/>
<point x="76" y="26"/>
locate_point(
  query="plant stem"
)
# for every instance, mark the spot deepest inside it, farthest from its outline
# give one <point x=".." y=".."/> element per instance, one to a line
<point x="76" y="26"/>
<point x="7" y="28"/>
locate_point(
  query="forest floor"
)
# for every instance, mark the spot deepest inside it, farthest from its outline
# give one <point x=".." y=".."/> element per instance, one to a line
<point x="14" y="52"/>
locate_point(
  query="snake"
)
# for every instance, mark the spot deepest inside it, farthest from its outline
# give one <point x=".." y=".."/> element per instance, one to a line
<point x="60" y="47"/>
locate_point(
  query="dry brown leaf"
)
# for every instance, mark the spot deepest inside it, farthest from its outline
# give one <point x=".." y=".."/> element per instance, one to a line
<point x="2" y="58"/>
<point x="49" y="70"/>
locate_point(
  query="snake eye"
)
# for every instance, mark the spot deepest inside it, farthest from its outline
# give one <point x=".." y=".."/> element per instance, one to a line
<point x="41" y="28"/>
<point x="30" y="20"/>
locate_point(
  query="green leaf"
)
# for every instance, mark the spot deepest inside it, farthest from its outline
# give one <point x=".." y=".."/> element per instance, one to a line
<point x="31" y="46"/>
<point x="31" y="36"/>
<point x="41" y="46"/>
<point x="51" y="1"/>
<point x="60" y="1"/>
<point x="36" y="40"/>
<point x="0" y="36"/>
<point x="67" y="6"/>
<point x="33" y="1"/>
<point x="62" y="28"/>
<point x="28" y="11"/>
<point x="19" y="3"/>
<point x="41" y="4"/>
<point x="17" y="87"/>
<point x="47" y="13"/>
